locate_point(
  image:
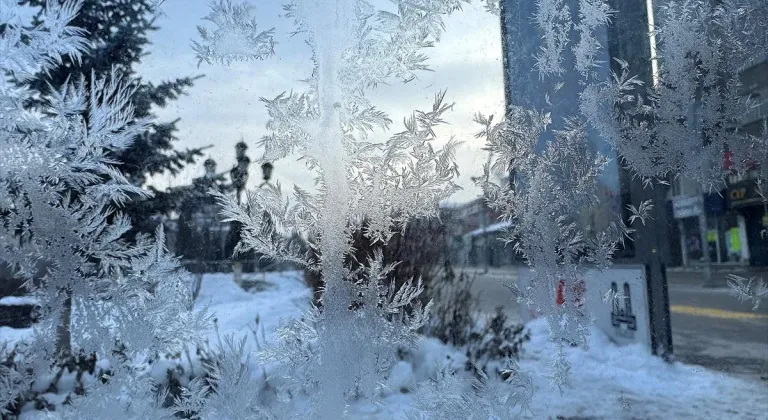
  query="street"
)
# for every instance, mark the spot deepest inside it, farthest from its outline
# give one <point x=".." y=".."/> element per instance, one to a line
<point x="710" y="327"/>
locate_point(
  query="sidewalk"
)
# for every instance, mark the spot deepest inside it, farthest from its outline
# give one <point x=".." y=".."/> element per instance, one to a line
<point x="691" y="275"/>
<point x="695" y="275"/>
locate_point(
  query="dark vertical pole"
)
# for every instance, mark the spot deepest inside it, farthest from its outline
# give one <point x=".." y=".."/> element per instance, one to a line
<point x="629" y="39"/>
<point x="505" y="45"/>
<point x="652" y="251"/>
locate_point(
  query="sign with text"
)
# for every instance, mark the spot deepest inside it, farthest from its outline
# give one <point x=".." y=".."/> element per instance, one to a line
<point x="616" y="298"/>
<point x="744" y="193"/>
<point x="684" y="206"/>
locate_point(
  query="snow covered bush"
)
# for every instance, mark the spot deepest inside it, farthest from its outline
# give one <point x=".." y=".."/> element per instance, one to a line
<point x="494" y="342"/>
<point x="454" y="310"/>
<point x="456" y="320"/>
<point x="60" y="191"/>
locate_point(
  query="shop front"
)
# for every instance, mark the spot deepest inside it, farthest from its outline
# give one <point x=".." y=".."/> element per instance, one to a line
<point x="746" y="221"/>
<point x="688" y="211"/>
<point x="721" y="228"/>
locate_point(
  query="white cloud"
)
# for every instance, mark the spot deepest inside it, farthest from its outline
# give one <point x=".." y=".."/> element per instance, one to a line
<point x="224" y="105"/>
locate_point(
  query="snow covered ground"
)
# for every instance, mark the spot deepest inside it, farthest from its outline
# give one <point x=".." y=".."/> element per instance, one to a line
<point x="608" y="381"/>
<point x="10" y="336"/>
<point x="282" y="296"/>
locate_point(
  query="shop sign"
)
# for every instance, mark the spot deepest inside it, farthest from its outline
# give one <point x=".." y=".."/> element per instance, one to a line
<point x="683" y="207"/>
<point x="744" y="193"/>
<point x="616" y="298"/>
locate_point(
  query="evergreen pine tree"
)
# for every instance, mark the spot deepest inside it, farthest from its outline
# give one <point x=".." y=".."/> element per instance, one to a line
<point x="118" y="34"/>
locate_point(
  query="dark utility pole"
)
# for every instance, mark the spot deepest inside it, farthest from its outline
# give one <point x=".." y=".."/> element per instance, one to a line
<point x="239" y="177"/>
<point x="629" y="38"/>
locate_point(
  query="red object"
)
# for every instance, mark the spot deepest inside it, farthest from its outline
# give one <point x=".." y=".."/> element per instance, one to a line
<point x="579" y="289"/>
<point x="728" y="160"/>
<point x="749" y="163"/>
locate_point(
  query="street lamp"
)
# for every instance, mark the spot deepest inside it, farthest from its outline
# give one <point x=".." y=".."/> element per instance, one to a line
<point x="267" y="227"/>
<point x="266" y="170"/>
<point x="239" y="176"/>
<point x="239" y="173"/>
<point x="210" y="168"/>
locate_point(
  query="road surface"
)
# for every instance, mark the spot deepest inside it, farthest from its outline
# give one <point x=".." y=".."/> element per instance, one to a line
<point x="710" y="327"/>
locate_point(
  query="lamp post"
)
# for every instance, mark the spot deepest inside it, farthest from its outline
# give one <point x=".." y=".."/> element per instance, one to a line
<point x="239" y="173"/>
<point x="196" y="221"/>
<point x="239" y="176"/>
<point x="266" y="171"/>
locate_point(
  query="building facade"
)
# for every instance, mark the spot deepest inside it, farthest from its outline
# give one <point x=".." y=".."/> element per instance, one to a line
<point x="725" y="226"/>
<point x="474" y="232"/>
<point x="746" y="202"/>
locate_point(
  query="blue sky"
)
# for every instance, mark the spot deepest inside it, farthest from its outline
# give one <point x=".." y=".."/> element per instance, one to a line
<point x="224" y="106"/>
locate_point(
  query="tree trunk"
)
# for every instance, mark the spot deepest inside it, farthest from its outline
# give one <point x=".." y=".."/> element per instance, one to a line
<point x="64" y="329"/>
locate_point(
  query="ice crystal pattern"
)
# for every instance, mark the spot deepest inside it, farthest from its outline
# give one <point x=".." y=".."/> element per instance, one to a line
<point x="361" y="184"/>
<point x="59" y="194"/>
<point x="689" y="118"/>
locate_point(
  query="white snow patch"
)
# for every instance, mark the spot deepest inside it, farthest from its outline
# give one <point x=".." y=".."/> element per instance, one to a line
<point x="495" y="227"/>
<point x="608" y="382"/>
<point x="236" y="310"/>
<point x="400" y="377"/>
<point x="11" y="336"/>
<point x="18" y="301"/>
<point x="611" y="381"/>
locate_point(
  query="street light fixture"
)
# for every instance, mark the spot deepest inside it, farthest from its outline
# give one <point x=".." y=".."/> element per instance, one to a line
<point x="266" y="170"/>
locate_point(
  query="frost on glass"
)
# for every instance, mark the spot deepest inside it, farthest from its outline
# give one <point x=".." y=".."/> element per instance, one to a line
<point x="554" y="19"/>
<point x="593" y="14"/>
<point x="684" y="124"/>
<point x="549" y="191"/>
<point x="561" y="26"/>
<point x="685" y="121"/>
<point x="447" y="396"/>
<point x="228" y="391"/>
<point x="547" y="186"/>
<point x="752" y="289"/>
<point x="61" y="231"/>
<point x="345" y="347"/>
<point x="236" y="38"/>
<point x="688" y="122"/>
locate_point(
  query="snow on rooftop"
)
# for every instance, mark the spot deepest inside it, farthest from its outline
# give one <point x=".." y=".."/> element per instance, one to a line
<point x="491" y="228"/>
